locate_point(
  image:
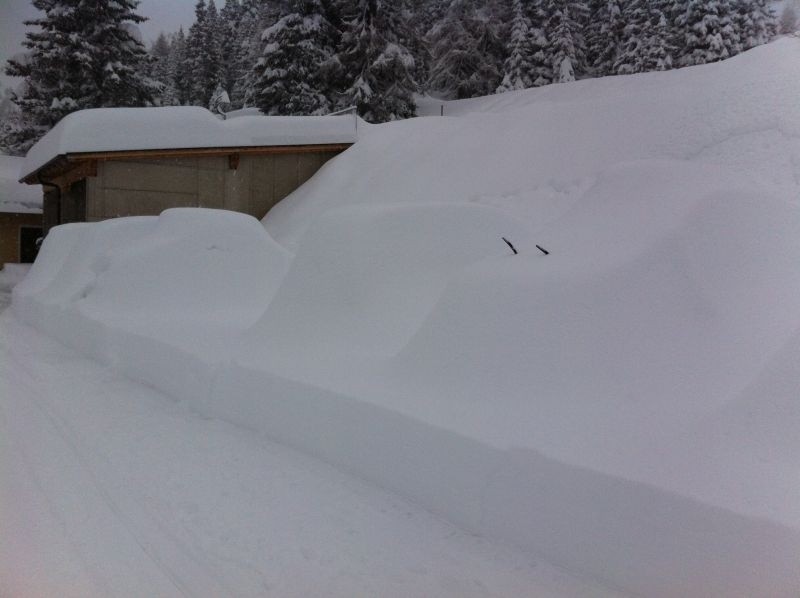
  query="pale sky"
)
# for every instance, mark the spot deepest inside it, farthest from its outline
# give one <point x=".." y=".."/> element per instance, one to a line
<point x="164" y="15"/>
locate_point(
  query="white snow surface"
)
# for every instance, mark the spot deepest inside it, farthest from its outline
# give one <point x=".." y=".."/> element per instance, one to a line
<point x="625" y="406"/>
<point x="179" y="127"/>
<point x="14" y="196"/>
<point x="110" y="488"/>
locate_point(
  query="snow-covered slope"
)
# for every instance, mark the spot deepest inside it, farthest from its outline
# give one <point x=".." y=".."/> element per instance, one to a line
<point x="537" y="152"/>
<point x="14" y="196"/>
<point x="624" y="405"/>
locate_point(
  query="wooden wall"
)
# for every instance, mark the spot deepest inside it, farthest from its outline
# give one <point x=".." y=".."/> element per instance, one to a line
<point x="10" y="224"/>
<point x="139" y="187"/>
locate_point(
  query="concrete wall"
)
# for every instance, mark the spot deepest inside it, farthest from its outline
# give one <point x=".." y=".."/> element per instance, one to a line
<point x="138" y="187"/>
<point x="10" y="224"/>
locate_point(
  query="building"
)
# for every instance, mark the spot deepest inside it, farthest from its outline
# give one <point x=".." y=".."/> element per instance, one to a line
<point x="20" y="215"/>
<point x="109" y="162"/>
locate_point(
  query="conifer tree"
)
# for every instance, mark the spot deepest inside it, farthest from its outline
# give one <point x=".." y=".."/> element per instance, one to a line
<point x="256" y="17"/>
<point x="160" y="70"/>
<point x="377" y="68"/>
<point x="657" y="49"/>
<point x="230" y="22"/>
<point x="517" y="67"/>
<point x="204" y="53"/>
<point x="291" y="71"/>
<point x="423" y="14"/>
<point x="467" y="53"/>
<point x="706" y="32"/>
<point x="606" y="34"/>
<point x="565" y="21"/>
<point x="80" y="55"/>
<point x="180" y="70"/>
<point x="755" y="22"/>
<point x="647" y="46"/>
<point x="788" y="20"/>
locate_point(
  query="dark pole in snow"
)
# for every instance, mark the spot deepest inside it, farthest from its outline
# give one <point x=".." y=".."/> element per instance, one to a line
<point x="514" y="249"/>
<point x="543" y="250"/>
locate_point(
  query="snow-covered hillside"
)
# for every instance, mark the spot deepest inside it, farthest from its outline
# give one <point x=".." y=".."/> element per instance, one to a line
<point x="625" y="406"/>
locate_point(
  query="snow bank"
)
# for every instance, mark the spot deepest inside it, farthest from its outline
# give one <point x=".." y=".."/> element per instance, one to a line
<point x="624" y="405"/>
<point x="11" y="275"/>
<point x="160" y="298"/>
<point x="368" y="276"/>
<point x="14" y="196"/>
<point x="543" y="399"/>
<point x="179" y="127"/>
<point x="535" y="152"/>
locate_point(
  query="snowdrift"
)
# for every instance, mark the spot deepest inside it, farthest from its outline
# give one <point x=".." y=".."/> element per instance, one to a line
<point x="160" y="298"/>
<point x="625" y="405"/>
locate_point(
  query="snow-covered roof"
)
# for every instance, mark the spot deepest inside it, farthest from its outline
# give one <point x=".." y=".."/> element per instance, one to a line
<point x="180" y="127"/>
<point x="16" y="197"/>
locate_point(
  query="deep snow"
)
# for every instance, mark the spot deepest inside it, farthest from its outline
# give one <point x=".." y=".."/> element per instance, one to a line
<point x="625" y="406"/>
<point x="112" y="489"/>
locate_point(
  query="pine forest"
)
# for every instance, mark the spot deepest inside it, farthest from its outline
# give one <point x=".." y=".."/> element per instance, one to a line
<point x="310" y="57"/>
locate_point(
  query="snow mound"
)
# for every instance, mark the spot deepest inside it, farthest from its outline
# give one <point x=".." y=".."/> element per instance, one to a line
<point x="179" y="127"/>
<point x="159" y="297"/>
<point x="620" y="399"/>
<point x="535" y="152"/>
<point x="11" y="275"/>
<point x="368" y="276"/>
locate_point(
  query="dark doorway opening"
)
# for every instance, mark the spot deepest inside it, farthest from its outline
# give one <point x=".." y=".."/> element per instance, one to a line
<point x="28" y="248"/>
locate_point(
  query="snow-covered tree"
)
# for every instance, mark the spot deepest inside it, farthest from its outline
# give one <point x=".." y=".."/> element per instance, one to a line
<point x="79" y="55"/>
<point x="255" y="18"/>
<point x="467" y="52"/>
<point x="292" y="69"/>
<point x="605" y="35"/>
<point x="564" y="27"/>
<point x="179" y="71"/>
<point x="706" y="32"/>
<point x="755" y="22"/>
<point x="657" y="49"/>
<point x="517" y="67"/>
<point x="204" y="53"/>
<point x="376" y="68"/>
<point x="230" y="23"/>
<point x="9" y="124"/>
<point x="220" y="101"/>
<point x="788" y="20"/>
<point x="647" y="39"/>
<point x="422" y="15"/>
<point x="160" y="70"/>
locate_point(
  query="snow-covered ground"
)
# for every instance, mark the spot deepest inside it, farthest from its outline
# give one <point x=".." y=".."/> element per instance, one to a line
<point x="624" y="405"/>
<point x="110" y="488"/>
<point x="10" y="275"/>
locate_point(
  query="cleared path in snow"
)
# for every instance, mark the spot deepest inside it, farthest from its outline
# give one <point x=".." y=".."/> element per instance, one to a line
<point x="111" y="489"/>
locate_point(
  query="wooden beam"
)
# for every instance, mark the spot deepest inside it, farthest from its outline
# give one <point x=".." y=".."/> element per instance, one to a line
<point x="82" y="170"/>
<point x="60" y="170"/>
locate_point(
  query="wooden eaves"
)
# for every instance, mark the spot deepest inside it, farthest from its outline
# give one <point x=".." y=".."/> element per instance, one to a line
<point x="66" y="169"/>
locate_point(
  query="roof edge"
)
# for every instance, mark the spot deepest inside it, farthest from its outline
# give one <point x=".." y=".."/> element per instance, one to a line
<point x="32" y="178"/>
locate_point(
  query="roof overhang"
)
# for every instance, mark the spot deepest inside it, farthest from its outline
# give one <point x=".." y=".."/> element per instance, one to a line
<point x="65" y="169"/>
